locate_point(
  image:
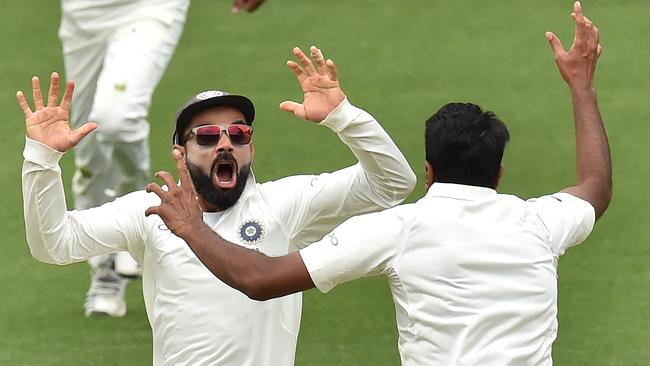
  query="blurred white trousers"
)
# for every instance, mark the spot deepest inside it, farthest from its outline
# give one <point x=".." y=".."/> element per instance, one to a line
<point x="116" y="71"/>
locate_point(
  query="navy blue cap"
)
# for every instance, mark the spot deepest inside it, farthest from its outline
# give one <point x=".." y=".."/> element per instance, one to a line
<point x="208" y="99"/>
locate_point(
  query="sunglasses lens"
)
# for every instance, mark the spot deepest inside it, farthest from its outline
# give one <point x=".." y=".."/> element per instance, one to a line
<point x="240" y="134"/>
<point x="208" y="135"/>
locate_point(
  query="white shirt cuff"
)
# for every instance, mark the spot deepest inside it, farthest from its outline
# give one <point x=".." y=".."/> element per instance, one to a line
<point x="341" y="116"/>
<point x="41" y="154"/>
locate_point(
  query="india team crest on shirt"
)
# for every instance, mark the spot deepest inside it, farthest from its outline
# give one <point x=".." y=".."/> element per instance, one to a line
<point x="251" y="232"/>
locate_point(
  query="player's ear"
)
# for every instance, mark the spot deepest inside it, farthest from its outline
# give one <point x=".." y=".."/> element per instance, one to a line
<point x="429" y="176"/>
<point x="499" y="176"/>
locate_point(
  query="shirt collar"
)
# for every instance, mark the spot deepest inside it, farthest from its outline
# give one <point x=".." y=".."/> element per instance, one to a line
<point x="460" y="191"/>
<point x="250" y="189"/>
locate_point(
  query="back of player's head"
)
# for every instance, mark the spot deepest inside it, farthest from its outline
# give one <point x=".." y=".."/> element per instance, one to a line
<point x="464" y="145"/>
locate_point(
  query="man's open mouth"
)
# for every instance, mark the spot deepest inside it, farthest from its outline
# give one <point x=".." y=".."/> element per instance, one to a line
<point x="225" y="174"/>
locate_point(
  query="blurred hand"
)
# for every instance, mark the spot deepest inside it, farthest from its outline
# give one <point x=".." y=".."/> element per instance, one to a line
<point x="248" y="5"/>
<point x="48" y="124"/>
<point x="578" y="66"/>
<point x="320" y="86"/>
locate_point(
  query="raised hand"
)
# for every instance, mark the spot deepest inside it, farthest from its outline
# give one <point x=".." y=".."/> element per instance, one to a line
<point x="319" y="83"/>
<point x="179" y="205"/>
<point x="48" y="124"/>
<point x="578" y="66"/>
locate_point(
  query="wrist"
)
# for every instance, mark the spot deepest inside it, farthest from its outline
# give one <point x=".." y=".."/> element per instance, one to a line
<point x="194" y="231"/>
<point x="580" y="85"/>
<point x="582" y="91"/>
<point x="339" y="117"/>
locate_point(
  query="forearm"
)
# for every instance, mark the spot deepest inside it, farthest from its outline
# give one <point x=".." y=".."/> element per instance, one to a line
<point x="386" y="170"/>
<point x="44" y="204"/>
<point x="258" y="276"/>
<point x="381" y="179"/>
<point x="593" y="161"/>
<point x="55" y="235"/>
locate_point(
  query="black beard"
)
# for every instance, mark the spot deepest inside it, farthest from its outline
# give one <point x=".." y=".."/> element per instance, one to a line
<point x="220" y="198"/>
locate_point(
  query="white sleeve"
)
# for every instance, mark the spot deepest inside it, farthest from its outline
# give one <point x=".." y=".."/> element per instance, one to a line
<point x="567" y="218"/>
<point x="58" y="236"/>
<point x="362" y="246"/>
<point x="312" y="206"/>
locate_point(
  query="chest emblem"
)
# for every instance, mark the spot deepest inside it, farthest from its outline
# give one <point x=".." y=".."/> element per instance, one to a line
<point x="251" y="232"/>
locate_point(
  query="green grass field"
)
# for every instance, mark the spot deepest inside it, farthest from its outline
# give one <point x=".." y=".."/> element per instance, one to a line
<point x="400" y="60"/>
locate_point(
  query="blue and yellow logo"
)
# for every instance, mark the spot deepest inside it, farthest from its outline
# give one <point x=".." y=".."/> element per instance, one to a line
<point x="251" y="232"/>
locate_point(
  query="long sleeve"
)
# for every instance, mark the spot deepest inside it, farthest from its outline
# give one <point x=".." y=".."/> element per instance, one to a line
<point x="58" y="236"/>
<point x="311" y="206"/>
<point x="383" y="168"/>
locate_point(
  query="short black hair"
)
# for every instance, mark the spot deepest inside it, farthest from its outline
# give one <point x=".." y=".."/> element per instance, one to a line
<point x="464" y="145"/>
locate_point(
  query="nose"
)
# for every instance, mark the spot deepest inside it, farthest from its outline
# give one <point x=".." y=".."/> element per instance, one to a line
<point x="224" y="143"/>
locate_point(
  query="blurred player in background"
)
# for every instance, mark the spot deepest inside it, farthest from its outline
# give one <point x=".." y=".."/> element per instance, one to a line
<point x="473" y="273"/>
<point x="196" y="319"/>
<point x="116" y="52"/>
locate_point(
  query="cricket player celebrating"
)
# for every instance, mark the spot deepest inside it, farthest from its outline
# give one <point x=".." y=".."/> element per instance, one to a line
<point x="472" y="272"/>
<point x="116" y="51"/>
<point x="197" y="319"/>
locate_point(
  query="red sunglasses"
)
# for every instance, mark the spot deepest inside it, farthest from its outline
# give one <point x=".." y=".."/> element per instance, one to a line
<point x="209" y="135"/>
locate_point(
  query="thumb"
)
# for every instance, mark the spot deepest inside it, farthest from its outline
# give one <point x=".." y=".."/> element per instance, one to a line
<point x="295" y="108"/>
<point x="82" y="131"/>
<point x="556" y="45"/>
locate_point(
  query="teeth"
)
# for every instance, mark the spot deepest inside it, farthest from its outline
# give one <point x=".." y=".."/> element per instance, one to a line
<point x="224" y="167"/>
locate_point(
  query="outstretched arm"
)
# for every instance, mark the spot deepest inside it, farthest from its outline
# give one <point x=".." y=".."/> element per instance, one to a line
<point x="381" y="179"/>
<point x="577" y="67"/>
<point x="362" y="246"/>
<point x="258" y="276"/>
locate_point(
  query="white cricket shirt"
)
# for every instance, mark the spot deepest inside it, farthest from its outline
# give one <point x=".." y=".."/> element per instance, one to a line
<point x="473" y="273"/>
<point x="195" y="318"/>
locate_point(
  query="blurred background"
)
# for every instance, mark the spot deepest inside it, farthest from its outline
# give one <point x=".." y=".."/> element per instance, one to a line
<point x="400" y="60"/>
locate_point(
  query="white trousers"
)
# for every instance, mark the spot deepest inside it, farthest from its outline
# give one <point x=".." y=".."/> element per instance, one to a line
<point x="116" y="72"/>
